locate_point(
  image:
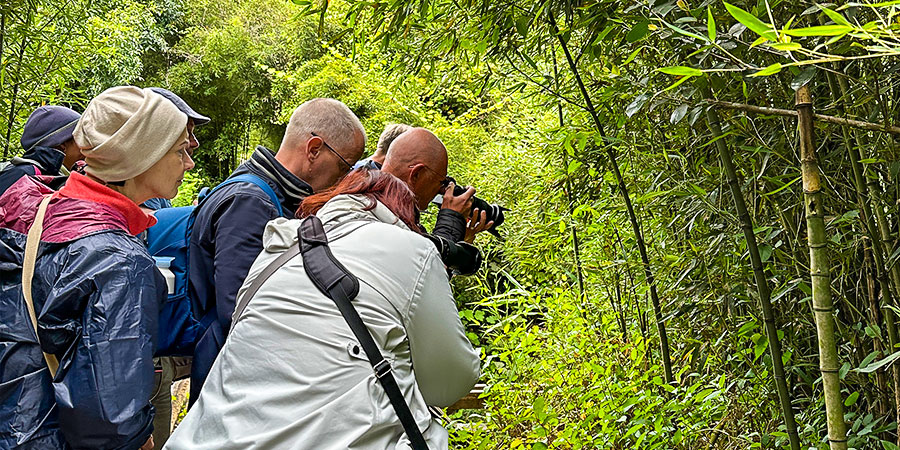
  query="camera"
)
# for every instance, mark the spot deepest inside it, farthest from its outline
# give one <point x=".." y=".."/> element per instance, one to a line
<point x="493" y="211"/>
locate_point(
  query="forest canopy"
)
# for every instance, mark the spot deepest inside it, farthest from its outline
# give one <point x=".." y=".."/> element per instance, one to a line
<point x="702" y="245"/>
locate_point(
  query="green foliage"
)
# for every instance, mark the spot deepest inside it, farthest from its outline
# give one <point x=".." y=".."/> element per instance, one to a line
<point x="190" y="187"/>
<point x="568" y="368"/>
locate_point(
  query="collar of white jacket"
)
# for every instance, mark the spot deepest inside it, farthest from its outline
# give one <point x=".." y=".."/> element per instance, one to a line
<point x="281" y="233"/>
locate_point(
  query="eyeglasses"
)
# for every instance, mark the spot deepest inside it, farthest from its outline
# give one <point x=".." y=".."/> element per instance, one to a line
<point x="332" y="150"/>
<point x="444" y="183"/>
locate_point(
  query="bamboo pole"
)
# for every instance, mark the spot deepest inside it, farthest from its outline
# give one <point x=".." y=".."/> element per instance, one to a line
<point x="876" y="235"/>
<point x="623" y="189"/>
<point x="762" y="283"/>
<point x="820" y="117"/>
<point x="819" y="266"/>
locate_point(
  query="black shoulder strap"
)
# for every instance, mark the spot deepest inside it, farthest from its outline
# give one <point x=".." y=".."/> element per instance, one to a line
<point x="336" y="282"/>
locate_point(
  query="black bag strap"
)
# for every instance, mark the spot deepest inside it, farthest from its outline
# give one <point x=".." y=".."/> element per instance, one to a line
<point x="336" y="282"/>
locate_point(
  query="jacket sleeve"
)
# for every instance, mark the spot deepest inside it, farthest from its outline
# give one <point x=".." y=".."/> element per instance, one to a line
<point x="444" y="361"/>
<point x="237" y="235"/>
<point x="105" y="379"/>
<point x="450" y="225"/>
<point x="449" y="231"/>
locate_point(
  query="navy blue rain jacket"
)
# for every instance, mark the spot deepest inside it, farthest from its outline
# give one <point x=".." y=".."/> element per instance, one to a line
<point x="225" y="240"/>
<point x="96" y="292"/>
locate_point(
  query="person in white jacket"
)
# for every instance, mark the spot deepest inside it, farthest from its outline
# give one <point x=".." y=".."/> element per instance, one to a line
<point x="292" y="375"/>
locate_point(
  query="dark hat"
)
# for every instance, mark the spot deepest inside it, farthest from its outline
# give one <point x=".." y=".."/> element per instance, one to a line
<point x="49" y="126"/>
<point x="199" y="119"/>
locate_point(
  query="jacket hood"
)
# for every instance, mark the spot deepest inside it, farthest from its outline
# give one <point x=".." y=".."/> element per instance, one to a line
<point x="68" y="217"/>
<point x="281" y="233"/>
<point x="49" y="160"/>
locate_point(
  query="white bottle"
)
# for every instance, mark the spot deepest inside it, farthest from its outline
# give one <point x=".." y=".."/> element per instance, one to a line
<point x="164" y="264"/>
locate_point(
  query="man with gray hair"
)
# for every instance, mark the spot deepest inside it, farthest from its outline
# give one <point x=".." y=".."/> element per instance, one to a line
<point x="391" y="131"/>
<point x="321" y="143"/>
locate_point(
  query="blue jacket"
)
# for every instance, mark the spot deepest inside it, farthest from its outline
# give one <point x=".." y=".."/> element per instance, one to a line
<point x="96" y="292"/>
<point x="225" y="240"/>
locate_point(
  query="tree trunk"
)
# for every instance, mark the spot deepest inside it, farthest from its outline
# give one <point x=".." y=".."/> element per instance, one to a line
<point x="623" y="189"/>
<point x="819" y="266"/>
<point x="762" y="283"/>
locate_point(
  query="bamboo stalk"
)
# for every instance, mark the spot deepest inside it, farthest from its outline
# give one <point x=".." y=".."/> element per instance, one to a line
<point x="877" y="235"/>
<point x="762" y="283"/>
<point x="820" y="272"/>
<point x="623" y="189"/>
<point x="820" y="117"/>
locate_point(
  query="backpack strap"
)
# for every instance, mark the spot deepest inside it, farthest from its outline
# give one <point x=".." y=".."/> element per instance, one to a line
<point x="338" y="284"/>
<point x="259" y="182"/>
<point x="334" y="280"/>
<point x="31" y="251"/>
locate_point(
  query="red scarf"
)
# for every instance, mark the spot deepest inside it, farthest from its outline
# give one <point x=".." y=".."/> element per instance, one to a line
<point x="81" y="187"/>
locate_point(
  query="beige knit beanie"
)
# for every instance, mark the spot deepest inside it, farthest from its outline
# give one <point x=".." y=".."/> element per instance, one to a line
<point x="125" y="130"/>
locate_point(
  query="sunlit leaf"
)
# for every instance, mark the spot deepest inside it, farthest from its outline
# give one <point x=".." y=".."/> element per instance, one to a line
<point x="835" y="16"/>
<point x="786" y="46"/>
<point x="822" y="30"/>
<point x="681" y="70"/>
<point x="770" y="70"/>
<point x="750" y="21"/>
<point x="710" y="24"/>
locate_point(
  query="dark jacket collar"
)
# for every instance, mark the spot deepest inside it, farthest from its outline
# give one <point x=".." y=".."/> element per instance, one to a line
<point x="47" y="159"/>
<point x="263" y="163"/>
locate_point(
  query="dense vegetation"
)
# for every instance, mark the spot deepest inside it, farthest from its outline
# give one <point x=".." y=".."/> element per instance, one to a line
<point x="634" y="301"/>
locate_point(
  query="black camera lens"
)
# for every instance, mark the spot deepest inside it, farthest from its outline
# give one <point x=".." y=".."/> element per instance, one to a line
<point x="494" y="212"/>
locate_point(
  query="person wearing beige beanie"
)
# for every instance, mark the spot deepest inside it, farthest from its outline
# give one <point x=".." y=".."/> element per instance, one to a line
<point x="96" y="289"/>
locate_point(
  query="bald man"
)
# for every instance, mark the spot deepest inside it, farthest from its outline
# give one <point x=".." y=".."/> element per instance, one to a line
<point x="322" y="141"/>
<point x="419" y="158"/>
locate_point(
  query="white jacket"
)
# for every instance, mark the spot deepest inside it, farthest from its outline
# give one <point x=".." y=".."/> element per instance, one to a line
<point x="291" y="374"/>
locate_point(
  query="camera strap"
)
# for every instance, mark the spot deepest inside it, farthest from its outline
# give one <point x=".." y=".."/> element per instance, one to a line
<point x="337" y="283"/>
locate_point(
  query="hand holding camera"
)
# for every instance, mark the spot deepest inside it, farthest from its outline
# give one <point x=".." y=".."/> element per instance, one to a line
<point x="458" y="199"/>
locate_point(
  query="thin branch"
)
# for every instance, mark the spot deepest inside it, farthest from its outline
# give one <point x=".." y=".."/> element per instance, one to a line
<point x="792" y="113"/>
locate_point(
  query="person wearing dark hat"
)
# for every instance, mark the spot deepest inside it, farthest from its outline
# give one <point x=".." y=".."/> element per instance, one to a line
<point x="194" y="119"/>
<point x="48" y="144"/>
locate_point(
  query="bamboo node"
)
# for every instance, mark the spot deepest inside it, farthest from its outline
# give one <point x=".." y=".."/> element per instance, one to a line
<point x="828" y="310"/>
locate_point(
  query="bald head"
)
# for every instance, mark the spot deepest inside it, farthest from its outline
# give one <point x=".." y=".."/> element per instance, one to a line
<point x="416" y="146"/>
<point x="322" y="139"/>
<point x="419" y="158"/>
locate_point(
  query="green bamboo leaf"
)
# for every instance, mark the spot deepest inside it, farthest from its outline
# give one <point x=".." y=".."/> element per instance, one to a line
<point x="675" y="84"/>
<point x="879" y="364"/>
<point x="836" y="16"/>
<point x="684" y="32"/>
<point x="881" y="4"/>
<point x="771" y="70"/>
<point x="638" y="32"/>
<point x="786" y="46"/>
<point x="750" y="21"/>
<point x="758" y="41"/>
<point x="710" y="24"/>
<point x="681" y="70"/>
<point x="822" y="30"/>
